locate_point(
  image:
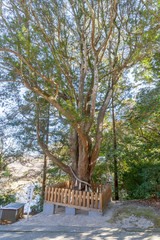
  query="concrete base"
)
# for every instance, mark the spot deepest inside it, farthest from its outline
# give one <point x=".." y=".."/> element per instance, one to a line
<point x="48" y="209"/>
<point x="70" y="211"/>
<point x="95" y="214"/>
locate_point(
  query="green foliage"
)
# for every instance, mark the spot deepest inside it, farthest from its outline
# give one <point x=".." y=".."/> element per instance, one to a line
<point x="142" y="181"/>
<point x="146" y="111"/>
<point x="6" y="173"/>
<point x="56" y="175"/>
<point x="2" y="162"/>
<point x="6" y="199"/>
<point x="100" y="171"/>
<point x="138" y="145"/>
<point x="139" y="148"/>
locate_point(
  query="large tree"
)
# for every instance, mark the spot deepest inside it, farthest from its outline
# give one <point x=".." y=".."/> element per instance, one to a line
<point x="72" y="54"/>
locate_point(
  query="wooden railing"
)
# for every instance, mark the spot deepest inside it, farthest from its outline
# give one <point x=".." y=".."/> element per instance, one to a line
<point x="98" y="187"/>
<point x="67" y="184"/>
<point x="61" y="194"/>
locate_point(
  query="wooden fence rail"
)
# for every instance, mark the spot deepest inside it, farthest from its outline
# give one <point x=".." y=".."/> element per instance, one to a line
<point x="93" y="201"/>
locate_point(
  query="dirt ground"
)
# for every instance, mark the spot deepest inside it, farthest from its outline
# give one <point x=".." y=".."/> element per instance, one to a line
<point x="120" y="214"/>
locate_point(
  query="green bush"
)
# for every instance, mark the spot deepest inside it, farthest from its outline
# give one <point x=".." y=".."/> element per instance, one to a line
<point x="7" y="198"/>
<point x="142" y="181"/>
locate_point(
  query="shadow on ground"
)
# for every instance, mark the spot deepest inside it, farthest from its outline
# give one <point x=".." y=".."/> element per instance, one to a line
<point x="70" y="233"/>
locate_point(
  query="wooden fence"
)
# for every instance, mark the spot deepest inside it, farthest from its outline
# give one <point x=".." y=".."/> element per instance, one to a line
<point x="62" y="194"/>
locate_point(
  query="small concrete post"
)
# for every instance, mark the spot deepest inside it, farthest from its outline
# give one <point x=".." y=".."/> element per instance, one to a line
<point x="70" y="211"/>
<point x="48" y="209"/>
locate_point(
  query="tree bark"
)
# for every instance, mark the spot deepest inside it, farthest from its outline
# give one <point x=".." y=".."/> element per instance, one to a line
<point x="44" y="177"/>
<point x="115" y="154"/>
<point x="80" y="155"/>
<point x="1" y="154"/>
<point x="74" y="152"/>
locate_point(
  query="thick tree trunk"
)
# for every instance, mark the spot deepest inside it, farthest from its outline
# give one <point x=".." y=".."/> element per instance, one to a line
<point x="81" y="156"/>
<point x="74" y="151"/>
<point x="83" y="162"/>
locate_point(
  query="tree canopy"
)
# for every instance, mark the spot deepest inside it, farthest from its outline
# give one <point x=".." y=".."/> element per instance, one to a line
<point x="71" y="54"/>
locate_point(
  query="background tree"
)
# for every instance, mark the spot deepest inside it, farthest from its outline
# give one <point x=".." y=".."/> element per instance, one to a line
<point x="141" y="177"/>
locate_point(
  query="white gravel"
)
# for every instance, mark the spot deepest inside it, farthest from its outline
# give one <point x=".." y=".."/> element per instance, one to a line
<point x="133" y="221"/>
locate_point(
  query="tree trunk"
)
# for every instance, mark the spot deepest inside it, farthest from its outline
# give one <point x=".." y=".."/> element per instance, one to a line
<point x="46" y="135"/>
<point x="115" y="156"/>
<point x="74" y="152"/>
<point x="83" y="163"/>
<point x="44" y="177"/>
<point x="1" y="154"/>
<point x="81" y="156"/>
